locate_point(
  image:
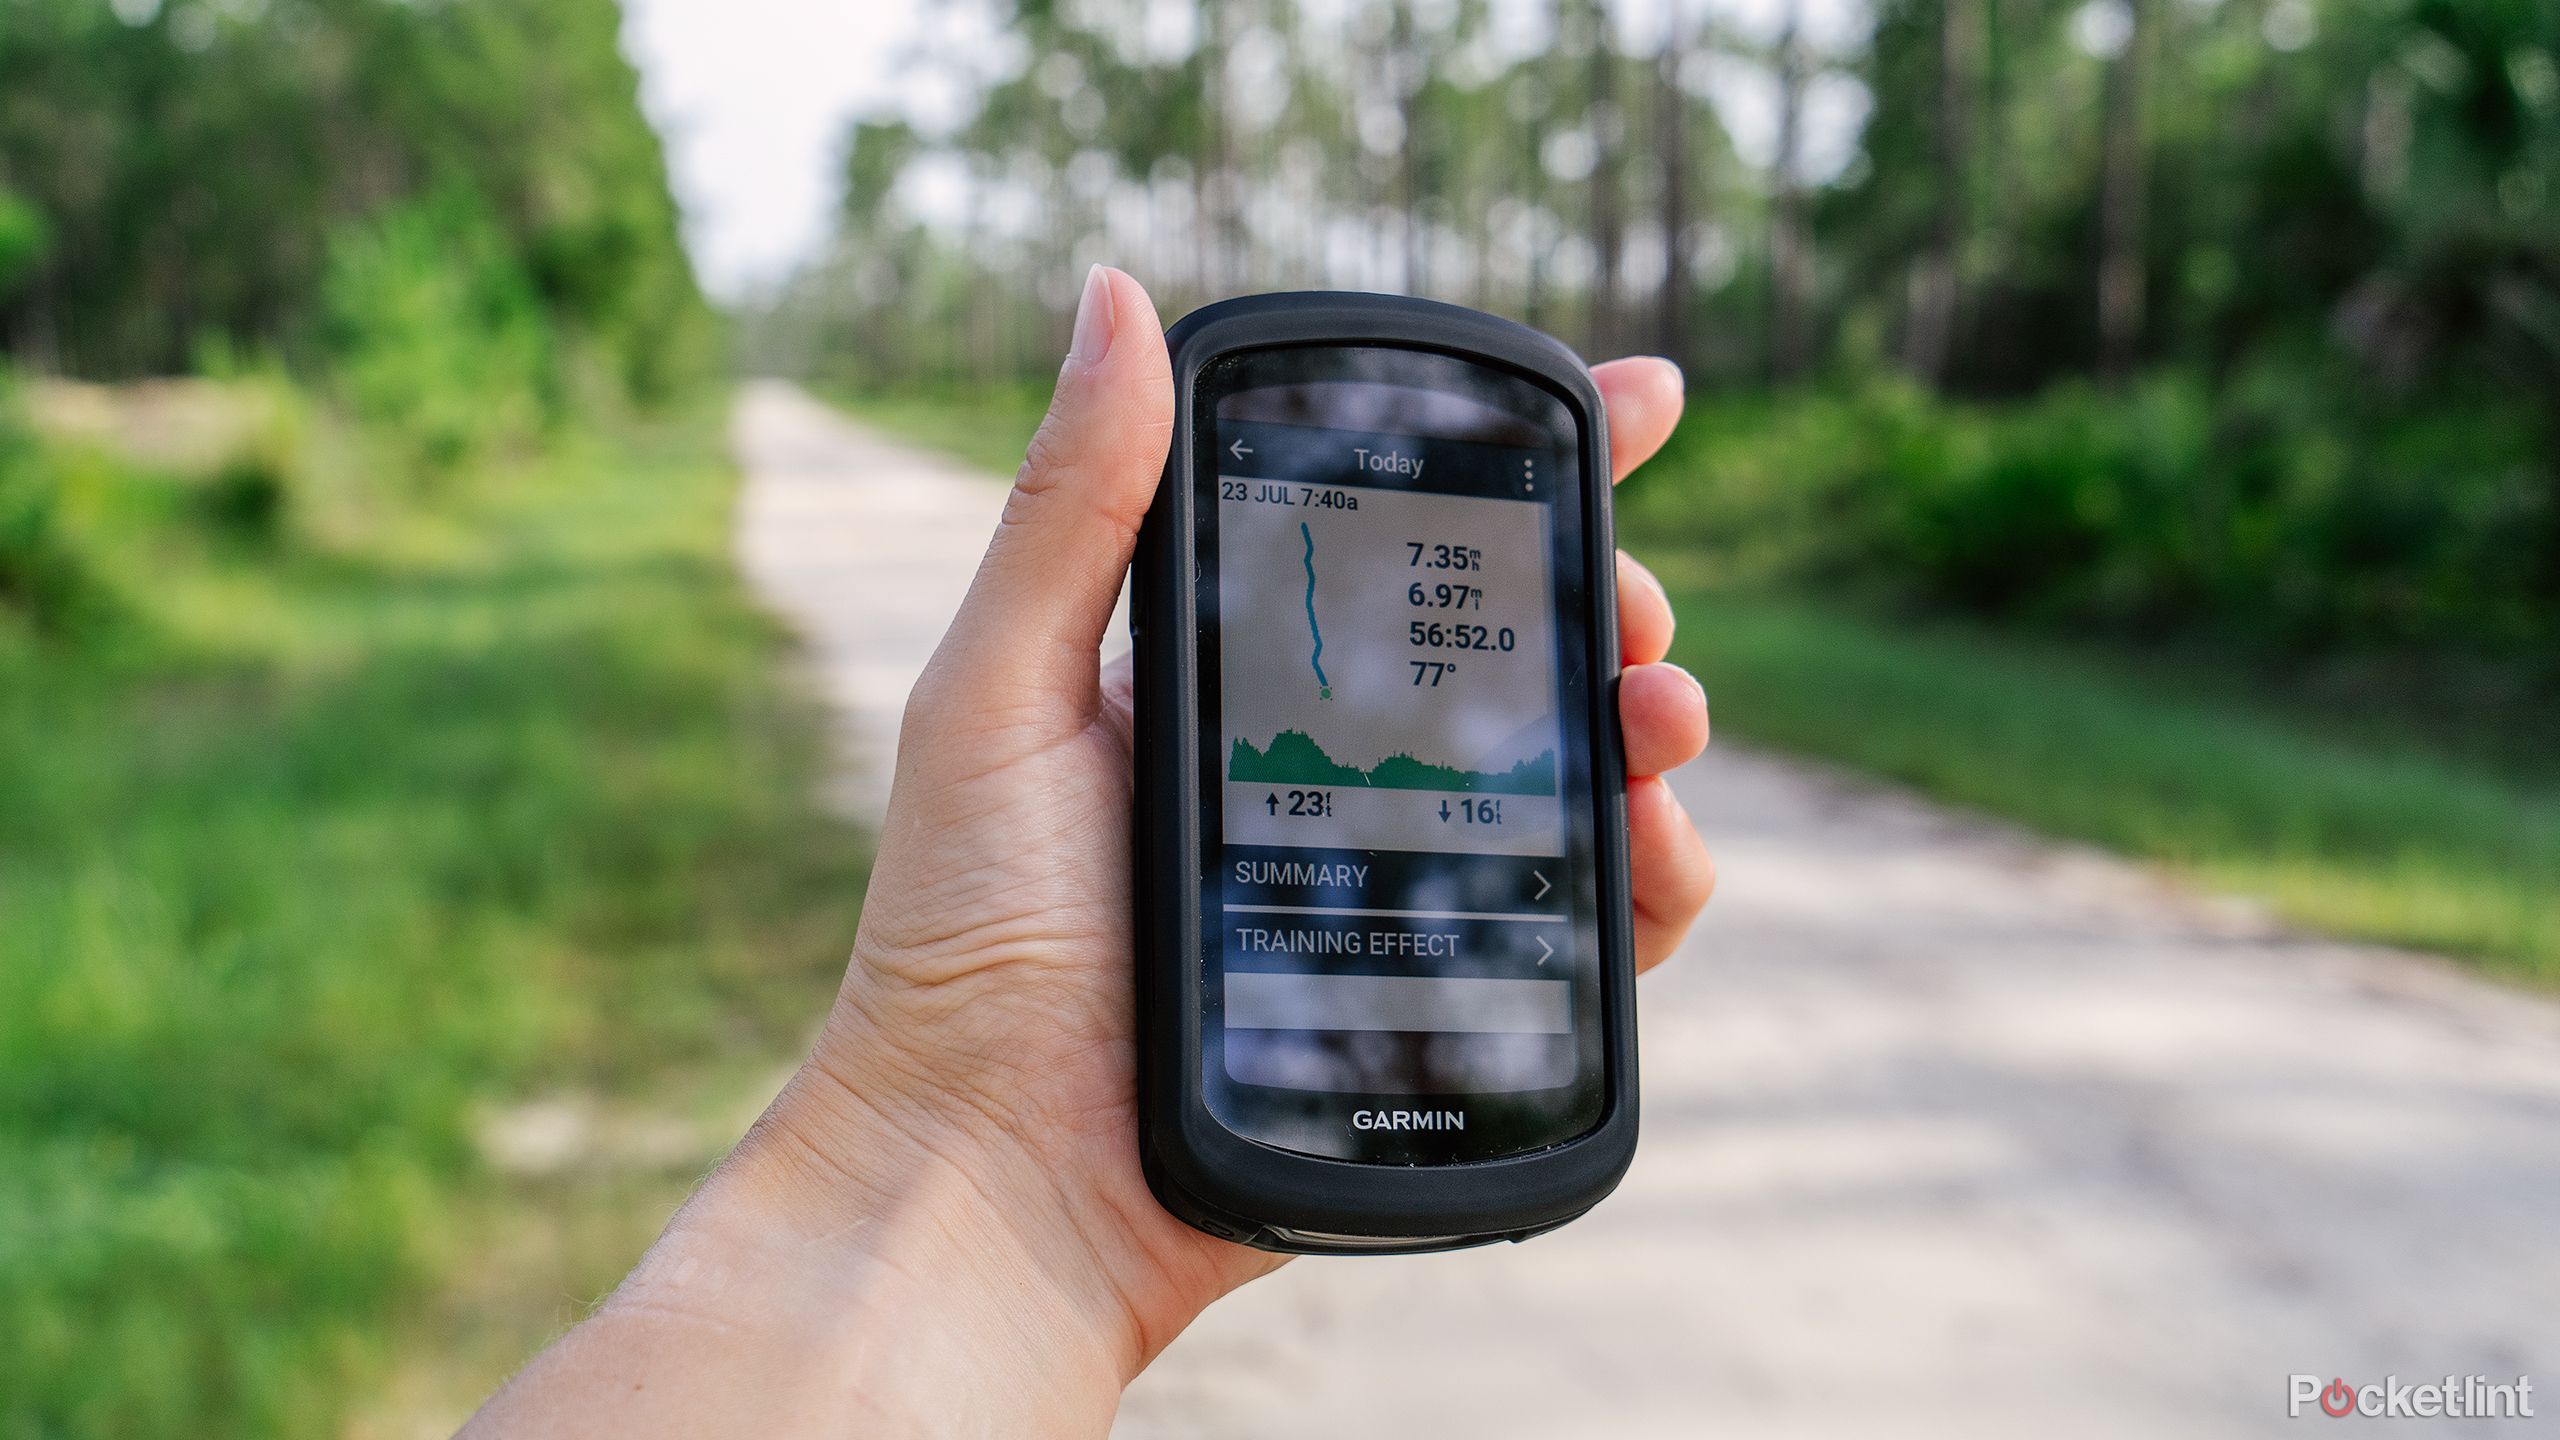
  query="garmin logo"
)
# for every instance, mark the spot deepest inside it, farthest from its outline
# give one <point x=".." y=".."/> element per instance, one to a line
<point x="1408" y="1119"/>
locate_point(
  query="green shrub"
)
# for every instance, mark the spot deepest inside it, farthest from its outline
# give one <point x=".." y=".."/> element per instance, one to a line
<point x="22" y="241"/>
<point x="46" y="584"/>
<point x="250" y="497"/>
<point x="2283" y="509"/>
<point x="2077" y="506"/>
<point x="439" y="337"/>
<point x="246" y="498"/>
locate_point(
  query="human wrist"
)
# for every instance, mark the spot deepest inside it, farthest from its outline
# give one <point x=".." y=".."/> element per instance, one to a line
<point x="838" y="1274"/>
<point x="902" y="1256"/>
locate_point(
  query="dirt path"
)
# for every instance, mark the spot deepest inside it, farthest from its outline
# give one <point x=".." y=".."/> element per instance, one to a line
<point x="1947" y="1130"/>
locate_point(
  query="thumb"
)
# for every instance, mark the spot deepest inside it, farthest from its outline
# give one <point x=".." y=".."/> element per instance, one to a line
<point x="1045" y="590"/>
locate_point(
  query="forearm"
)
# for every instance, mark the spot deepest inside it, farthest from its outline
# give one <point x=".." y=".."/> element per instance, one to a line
<point x="842" y="1275"/>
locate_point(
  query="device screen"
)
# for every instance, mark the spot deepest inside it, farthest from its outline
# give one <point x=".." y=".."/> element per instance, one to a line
<point x="1399" y="906"/>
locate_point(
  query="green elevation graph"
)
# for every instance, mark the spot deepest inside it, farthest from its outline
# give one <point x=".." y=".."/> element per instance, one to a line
<point x="1294" y="758"/>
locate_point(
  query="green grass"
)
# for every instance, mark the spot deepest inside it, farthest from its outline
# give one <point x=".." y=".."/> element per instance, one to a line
<point x="2337" y="825"/>
<point x="318" y="850"/>
<point x="989" y="428"/>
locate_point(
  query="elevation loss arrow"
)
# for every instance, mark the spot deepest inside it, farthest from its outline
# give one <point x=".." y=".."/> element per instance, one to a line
<point x="1544" y="885"/>
<point x="1238" y="450"/>
<point x="1546" y="952"/>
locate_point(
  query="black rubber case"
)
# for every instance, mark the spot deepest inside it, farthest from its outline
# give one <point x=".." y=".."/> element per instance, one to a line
<point x="1203" y="1173"/>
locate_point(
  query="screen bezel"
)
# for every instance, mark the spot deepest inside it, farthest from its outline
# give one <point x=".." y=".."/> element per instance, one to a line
<point x="1501" y="1123"/>
<point x="1207" y="1174"/>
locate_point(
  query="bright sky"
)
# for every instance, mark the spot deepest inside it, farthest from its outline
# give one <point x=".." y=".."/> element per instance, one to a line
<point x="754" y="97"/>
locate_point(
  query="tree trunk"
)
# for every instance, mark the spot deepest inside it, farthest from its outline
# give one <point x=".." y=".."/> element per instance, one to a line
<point x="1790" y="247"/>
<point x="2121" y="201"/>
<point x="1405" y="80"/>
<point x="1608" y="223"/>
<point x="1991" y="341"/>
<point x="1533" y="231"/>
<point x="1208" y="227"/>
<point x="1671" y="131"/>
<point x="1937" y="282"/>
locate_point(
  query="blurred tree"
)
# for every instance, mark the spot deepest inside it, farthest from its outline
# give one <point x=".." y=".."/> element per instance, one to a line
<point x="192" y="160"/>
<point x="1938" y="275"/>
<point x="1606" y="122"/>
<point x="22" y="241"/>
<point x="2122" y="202"/>
<point x="438" y="334"/>
<point x="2323" y="227"/>
<point x="1671" y="147"/>
<point x="1790" y="243"/>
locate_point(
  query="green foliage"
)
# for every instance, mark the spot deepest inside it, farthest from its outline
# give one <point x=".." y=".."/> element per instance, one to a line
<point x="194" y="165"/>
<point x="332" y="810"/>
<point x="22" y="240"/>
<point x="248" y="498"/>
<point x="2371" y="178"/>
<point x="47" y="585"/>
<point x="2269" y="513"/>
<point x="2375" y="831"/>
<point x="255" y="493"/>
<point x="436" y="334"/>
<point x="506" y="795"/>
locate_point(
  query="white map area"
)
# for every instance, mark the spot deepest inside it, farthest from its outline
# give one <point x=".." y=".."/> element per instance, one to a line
<point x="1492" y="710"/>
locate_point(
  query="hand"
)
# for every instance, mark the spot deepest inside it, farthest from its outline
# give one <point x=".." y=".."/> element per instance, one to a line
<point x="940" y="1226"/>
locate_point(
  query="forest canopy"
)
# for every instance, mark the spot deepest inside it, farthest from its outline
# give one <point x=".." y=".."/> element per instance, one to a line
<point x="177" y="175"/>
<point x="2240" y="315"/>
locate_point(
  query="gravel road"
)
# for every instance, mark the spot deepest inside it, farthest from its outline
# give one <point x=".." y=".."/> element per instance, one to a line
<point x="1948" y="1130"/>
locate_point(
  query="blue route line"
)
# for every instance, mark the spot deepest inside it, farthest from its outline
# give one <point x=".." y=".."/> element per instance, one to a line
<point x="1317" y="659"/>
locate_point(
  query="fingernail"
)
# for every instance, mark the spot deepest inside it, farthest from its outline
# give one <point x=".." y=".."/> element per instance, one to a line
<point x="1093" y="320"/>
<point x="1676" y="372"/>
<point x="1694" y="682"/>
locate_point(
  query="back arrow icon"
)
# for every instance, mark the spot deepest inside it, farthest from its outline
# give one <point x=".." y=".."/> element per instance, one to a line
<point x="1544" y="885"/>
<point x="1238" y="450"/>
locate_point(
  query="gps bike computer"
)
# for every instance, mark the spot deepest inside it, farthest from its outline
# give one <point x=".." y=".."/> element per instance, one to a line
<point x="1385" y="987"/>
